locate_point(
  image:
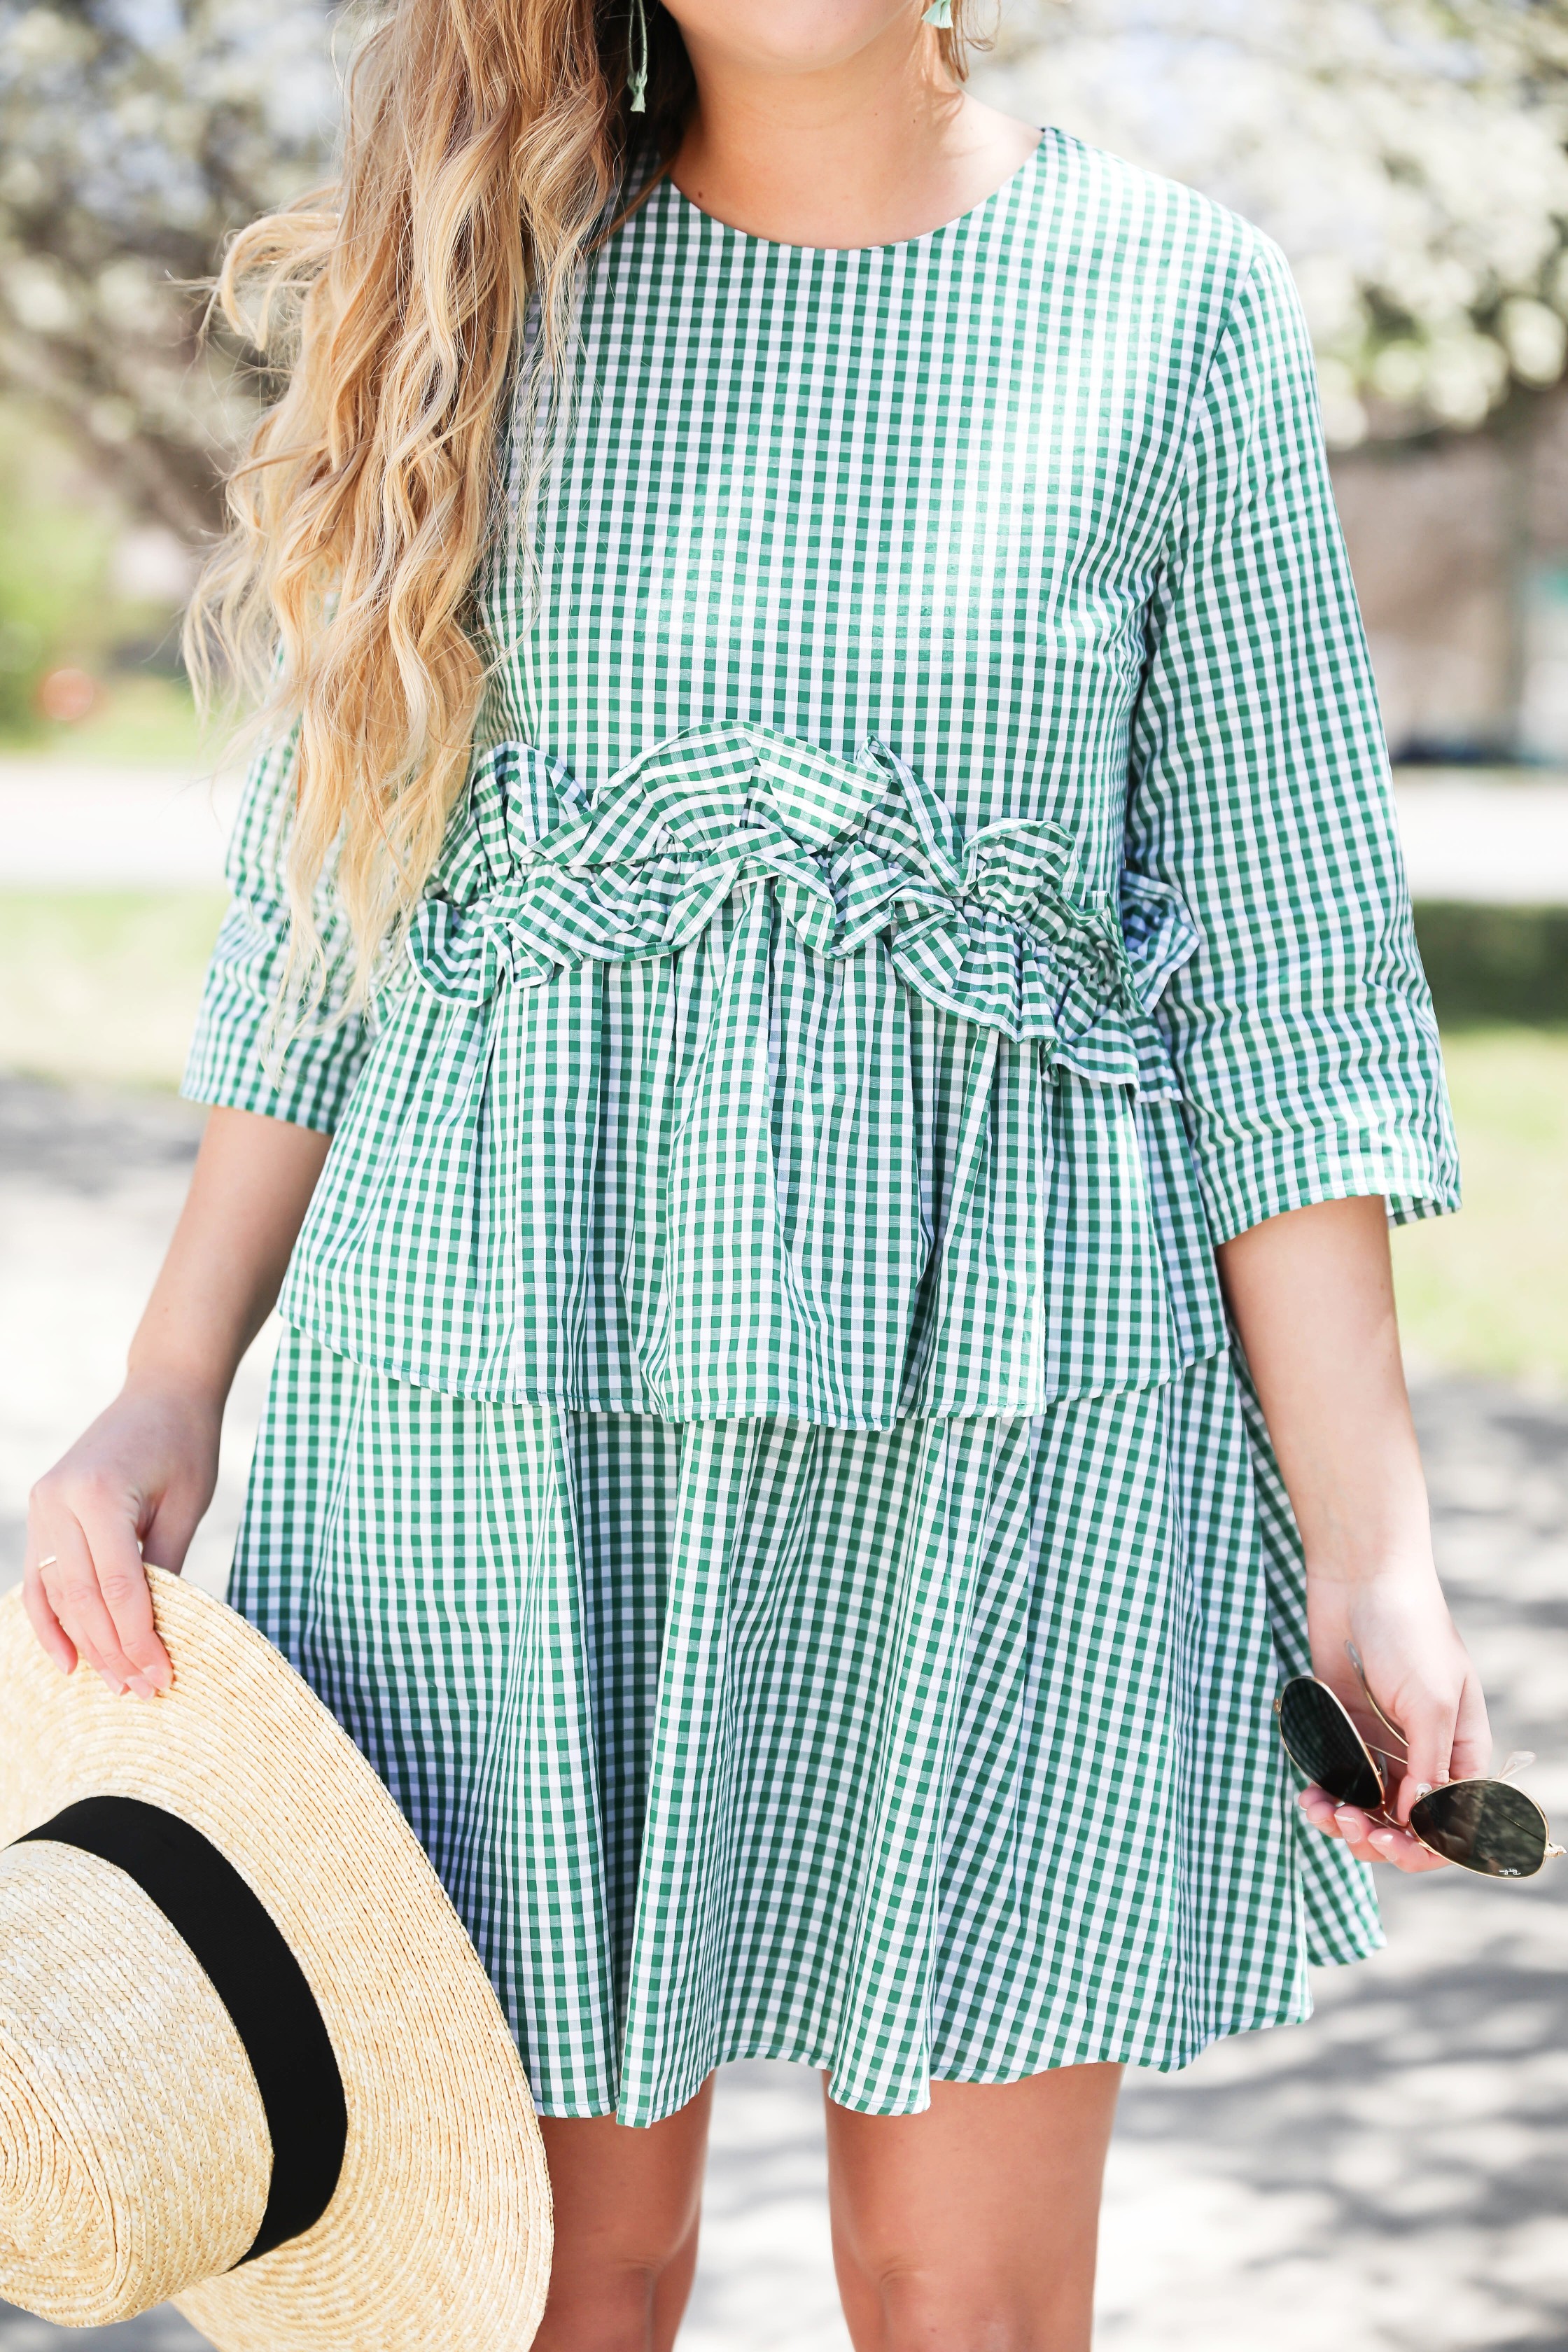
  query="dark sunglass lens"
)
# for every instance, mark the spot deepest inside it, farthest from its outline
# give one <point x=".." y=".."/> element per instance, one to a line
<point x="1483" y="1825"/>
<point x="1322" y="1742"/>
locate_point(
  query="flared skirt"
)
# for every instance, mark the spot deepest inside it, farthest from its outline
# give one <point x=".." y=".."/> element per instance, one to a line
<point x="939" y="1752"/>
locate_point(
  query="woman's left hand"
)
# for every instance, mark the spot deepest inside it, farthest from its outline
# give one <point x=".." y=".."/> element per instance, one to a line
<point x="1417" y="1670"/>
<point x="1310" y="1293"/>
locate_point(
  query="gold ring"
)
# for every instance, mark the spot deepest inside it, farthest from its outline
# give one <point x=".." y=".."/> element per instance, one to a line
<point x="52" y="1561"/>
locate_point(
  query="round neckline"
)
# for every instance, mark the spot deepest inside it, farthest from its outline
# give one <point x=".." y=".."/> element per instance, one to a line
<point x="889" y="244"/>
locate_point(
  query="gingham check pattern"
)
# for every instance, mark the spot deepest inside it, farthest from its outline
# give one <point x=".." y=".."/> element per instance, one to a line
<point x="927" y="872"/>
<point x="941" y="1751"/>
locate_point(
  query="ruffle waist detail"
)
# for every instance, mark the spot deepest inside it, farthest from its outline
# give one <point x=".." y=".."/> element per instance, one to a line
<point x="748" y="1088"/>
<point x="992" y="927"/>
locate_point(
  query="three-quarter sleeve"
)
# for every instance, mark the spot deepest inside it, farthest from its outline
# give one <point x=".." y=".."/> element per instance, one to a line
<point x="242" y="1055"/>
<point x="1302" y="1030"/>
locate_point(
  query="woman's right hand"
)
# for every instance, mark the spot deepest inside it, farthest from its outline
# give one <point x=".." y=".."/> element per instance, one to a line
<point x="132" y="1487"/>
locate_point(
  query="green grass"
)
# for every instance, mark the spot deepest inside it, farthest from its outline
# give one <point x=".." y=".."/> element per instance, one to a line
<point x="141" y="722"/>
<point x="61" y="604"/>
<point x="102" y="986"/>
<point x="1487" y="1291"/>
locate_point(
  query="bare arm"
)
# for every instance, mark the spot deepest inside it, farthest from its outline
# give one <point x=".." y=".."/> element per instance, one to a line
<point x="136" y="1483"/>
<point x="1312" y="1295"/>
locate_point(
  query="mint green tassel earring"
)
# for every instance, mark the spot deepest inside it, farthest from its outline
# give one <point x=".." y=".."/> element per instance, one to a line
<point x="637" y="80"/>
<point x="938" y="14"/>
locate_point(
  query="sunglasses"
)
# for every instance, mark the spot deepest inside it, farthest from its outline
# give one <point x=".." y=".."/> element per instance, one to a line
<point x="1483" y="1825"/>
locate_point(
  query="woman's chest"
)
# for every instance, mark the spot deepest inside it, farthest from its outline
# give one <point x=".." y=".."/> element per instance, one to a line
<point x="842" y="495"/>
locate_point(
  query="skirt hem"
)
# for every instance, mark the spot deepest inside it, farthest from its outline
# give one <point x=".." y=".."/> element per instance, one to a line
<point x="1297" y="2010"/>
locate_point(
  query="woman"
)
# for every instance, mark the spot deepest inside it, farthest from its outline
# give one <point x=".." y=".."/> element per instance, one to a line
<point x="838" y="902"/>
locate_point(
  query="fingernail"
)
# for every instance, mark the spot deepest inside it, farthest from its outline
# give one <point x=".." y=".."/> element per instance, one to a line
<point x="143" y="1688"/>
<point x="1381" y="1839"/>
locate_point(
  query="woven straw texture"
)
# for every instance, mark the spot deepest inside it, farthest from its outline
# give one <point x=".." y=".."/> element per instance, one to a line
<point x="120" y="2187"/>
<point x="439" y="2230"/>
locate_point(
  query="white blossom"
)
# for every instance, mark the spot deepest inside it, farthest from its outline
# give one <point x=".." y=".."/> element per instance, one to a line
<point x="1408" y="155"/>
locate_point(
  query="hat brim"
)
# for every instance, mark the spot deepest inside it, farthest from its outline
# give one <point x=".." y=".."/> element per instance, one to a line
<point x="438" y="2231"/>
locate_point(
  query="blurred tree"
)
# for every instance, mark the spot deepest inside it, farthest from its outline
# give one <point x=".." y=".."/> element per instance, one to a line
<point x="54" y="555"/>
<point x="1411" y="156"/>
<point x="1408" y="155"/>
<point x="134" y="135"/>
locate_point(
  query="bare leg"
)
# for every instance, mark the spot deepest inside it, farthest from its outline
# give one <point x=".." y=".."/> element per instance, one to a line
<point x="627" y="2210"/>
<point x="971" y="2228"/>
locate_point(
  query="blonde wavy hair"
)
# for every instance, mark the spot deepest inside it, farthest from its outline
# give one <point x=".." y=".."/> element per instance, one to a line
<point x="486" y="143"/>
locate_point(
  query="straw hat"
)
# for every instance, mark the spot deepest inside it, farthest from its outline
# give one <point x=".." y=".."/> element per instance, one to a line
<point x="252" y="2062"/>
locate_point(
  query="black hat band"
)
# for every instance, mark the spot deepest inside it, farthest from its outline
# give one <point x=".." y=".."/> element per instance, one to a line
<point x="235" y="1938"/>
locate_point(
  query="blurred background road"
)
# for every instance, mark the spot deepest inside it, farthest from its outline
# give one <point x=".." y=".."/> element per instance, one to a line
<point x="1391" y="2176"/>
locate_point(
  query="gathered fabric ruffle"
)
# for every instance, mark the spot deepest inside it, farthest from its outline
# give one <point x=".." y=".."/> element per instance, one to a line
<point x="992" y="927"/>
<point x="748" y="1086"/>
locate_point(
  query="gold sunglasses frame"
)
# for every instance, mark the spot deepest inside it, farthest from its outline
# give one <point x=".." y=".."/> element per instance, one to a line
<point x="1549" y="1852"/>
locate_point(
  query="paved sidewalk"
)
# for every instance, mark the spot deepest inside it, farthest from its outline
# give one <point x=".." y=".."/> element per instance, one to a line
<point x="110" y="828"/>
<point x="1387" y="2179"/>
<point x="1474" y="837"/>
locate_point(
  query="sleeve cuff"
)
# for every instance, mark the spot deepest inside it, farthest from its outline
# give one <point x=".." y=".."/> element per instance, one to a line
<point x="1247" y="1180"/>
<point x="239" y="1059"/>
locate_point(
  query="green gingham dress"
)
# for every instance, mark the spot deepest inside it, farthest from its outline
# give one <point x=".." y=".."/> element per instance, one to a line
<point x="755" y="1459"/>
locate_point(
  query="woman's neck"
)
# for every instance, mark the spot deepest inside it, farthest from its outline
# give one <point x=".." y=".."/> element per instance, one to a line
<point x="867" y="148"/>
